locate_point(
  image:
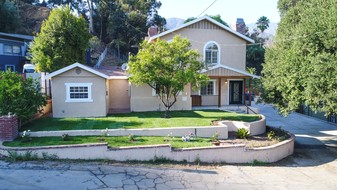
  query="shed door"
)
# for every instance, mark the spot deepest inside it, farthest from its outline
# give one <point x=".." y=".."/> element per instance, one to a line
<point x="119" y="96"/>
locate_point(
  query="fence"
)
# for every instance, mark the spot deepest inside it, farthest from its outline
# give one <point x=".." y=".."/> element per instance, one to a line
<point x="306" y="110"/>
<point x="101" y="58"/>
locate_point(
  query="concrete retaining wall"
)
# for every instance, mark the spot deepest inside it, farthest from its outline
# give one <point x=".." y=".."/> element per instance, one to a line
<point x="254" y="128"/>
<point x="206" y="132"/>
<point x="227" y="154"/>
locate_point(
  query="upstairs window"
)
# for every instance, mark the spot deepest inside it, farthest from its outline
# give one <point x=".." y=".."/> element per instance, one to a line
<point x="12" y="49"/>
<point x="212" y="53"/>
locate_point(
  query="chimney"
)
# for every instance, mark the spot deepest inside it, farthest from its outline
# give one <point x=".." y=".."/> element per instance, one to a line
<point x="153" y="30"/>
<point x="241" y="26"/>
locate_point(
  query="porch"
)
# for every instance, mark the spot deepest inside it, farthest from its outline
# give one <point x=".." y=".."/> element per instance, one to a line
<point x="227" y="88"/>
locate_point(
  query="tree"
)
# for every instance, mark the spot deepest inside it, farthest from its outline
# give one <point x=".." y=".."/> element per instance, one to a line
<point x="166" y="67"/>
<point x="215" y="17"/>
<point x="262" y="23"/>
<point x="63" y="40"/>
<point x="9" y="14"/>
<point x="301" y="65"/>
<point x="255" y="53"/>
<point x="19" y="96"/>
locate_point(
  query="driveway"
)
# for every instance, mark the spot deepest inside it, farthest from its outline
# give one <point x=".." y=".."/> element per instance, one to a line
<point x="309" y="131"/>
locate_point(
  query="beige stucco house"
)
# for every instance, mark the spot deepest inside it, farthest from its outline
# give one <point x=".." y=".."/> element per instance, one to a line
<point x="81" y="91"/>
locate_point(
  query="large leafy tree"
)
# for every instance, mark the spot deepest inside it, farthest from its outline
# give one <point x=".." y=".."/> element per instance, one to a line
<point x="262" y="23"/>
<point x="9" y="16"/>
<point x="301" y="66"/>
<point x="63" y="40"/>
<point x="166" y="67"/>
<point x="19" y="96"/>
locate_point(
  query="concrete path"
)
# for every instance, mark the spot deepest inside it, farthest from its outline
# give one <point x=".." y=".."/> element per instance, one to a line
<point x="308" y="131"/>
<point x="306" y="169"/>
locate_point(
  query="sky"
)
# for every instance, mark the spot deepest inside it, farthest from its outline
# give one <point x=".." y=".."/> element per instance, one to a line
<point x="249" y="10"/>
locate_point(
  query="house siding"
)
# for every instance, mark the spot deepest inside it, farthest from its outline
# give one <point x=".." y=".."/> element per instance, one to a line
<point x="61" y="108"/>
<point x="232" y="47"/>
<point x="143" y="100"/>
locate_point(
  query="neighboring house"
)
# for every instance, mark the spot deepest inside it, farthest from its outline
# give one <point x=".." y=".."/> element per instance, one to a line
<point x="81" y="91"/>
<point x="13" y="49"/>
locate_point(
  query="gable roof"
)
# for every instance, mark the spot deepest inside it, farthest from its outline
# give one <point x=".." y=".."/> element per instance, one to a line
<point x="229" y="68"/>
<point x="91" y="70"/>
<point x="200" y="19"/>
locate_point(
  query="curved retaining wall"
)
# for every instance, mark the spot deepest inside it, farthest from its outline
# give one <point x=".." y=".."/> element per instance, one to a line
<point x="205" y="132"/>
<point x="227" y="154"/>
<point x="254" y="128"/>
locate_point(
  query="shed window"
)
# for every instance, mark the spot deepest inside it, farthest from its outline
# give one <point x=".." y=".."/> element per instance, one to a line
<point x="209" y="89"/>
<point x="78" y="92"/>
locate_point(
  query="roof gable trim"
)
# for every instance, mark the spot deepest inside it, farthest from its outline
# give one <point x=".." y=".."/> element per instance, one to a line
<point x="60" y="71"/>
<point x="198" y="20"/>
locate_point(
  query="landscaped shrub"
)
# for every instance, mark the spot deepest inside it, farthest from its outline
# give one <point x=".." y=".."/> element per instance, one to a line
<point x="242" y="133"/>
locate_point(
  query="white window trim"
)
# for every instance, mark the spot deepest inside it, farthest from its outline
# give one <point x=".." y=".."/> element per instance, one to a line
<point x="214" y="88"/>
<point x="68" y="85"/>
<point x="219" y="52"/>
<point x="9" y="65"/>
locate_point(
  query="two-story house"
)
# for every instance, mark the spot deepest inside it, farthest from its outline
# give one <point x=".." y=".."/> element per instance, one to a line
<point x="81" y="91"/>
<point x="13" y="49"/>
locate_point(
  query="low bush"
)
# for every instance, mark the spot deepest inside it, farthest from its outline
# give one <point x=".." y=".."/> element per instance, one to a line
<point x="242" y="133"/>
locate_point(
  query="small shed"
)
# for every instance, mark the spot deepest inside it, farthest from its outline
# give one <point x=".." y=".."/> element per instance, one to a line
<point x="79" y="91"/>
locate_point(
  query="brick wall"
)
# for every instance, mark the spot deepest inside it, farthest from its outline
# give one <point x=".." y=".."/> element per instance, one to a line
<point x="9" y="128"/>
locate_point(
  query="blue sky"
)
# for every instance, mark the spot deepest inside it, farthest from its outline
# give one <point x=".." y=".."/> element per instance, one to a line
<point x="249" y="10"/>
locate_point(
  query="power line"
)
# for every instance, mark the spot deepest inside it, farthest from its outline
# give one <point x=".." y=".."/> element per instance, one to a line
<point x="207" y="8"/>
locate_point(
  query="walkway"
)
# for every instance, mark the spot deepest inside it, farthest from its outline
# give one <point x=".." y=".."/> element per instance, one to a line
<point x="308" y="131"/>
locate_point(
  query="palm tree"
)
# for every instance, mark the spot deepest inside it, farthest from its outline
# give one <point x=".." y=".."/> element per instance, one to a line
<point x="262" y="23"/>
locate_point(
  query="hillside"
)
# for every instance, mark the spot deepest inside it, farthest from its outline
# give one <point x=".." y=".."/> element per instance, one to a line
<point x="31" y="18"/>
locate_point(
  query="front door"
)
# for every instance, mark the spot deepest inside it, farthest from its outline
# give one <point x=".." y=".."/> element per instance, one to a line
<point x="235" y="92"/>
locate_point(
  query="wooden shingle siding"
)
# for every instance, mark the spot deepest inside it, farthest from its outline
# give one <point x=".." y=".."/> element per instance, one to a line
<point x="204" y="25"/>
<point x="223" y="72"/>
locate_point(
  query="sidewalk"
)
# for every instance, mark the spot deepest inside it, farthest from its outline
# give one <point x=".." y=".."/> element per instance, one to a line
<point x="308" y="131"/>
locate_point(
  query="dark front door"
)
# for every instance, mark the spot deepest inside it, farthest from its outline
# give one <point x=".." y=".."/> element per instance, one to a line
<point x="235" y="92"/>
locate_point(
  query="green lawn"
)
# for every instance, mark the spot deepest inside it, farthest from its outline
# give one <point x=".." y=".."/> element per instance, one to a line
<point x="137" y="120"/>
<point x="112" y="141"/>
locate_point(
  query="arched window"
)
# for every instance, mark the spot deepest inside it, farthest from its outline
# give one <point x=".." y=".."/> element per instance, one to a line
<point x="212" y="53"/>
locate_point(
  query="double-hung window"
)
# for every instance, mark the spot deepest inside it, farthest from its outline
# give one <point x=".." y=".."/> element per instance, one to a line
<point x="209" y="89"/>
<point x="78" y="92"/>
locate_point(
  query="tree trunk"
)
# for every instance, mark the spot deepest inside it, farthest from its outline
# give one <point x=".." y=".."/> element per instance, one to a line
<point x="91" y="21"/>
<point x="167" y="113"/>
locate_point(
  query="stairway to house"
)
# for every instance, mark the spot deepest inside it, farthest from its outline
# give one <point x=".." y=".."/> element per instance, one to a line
<point x="113" y="59"/>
